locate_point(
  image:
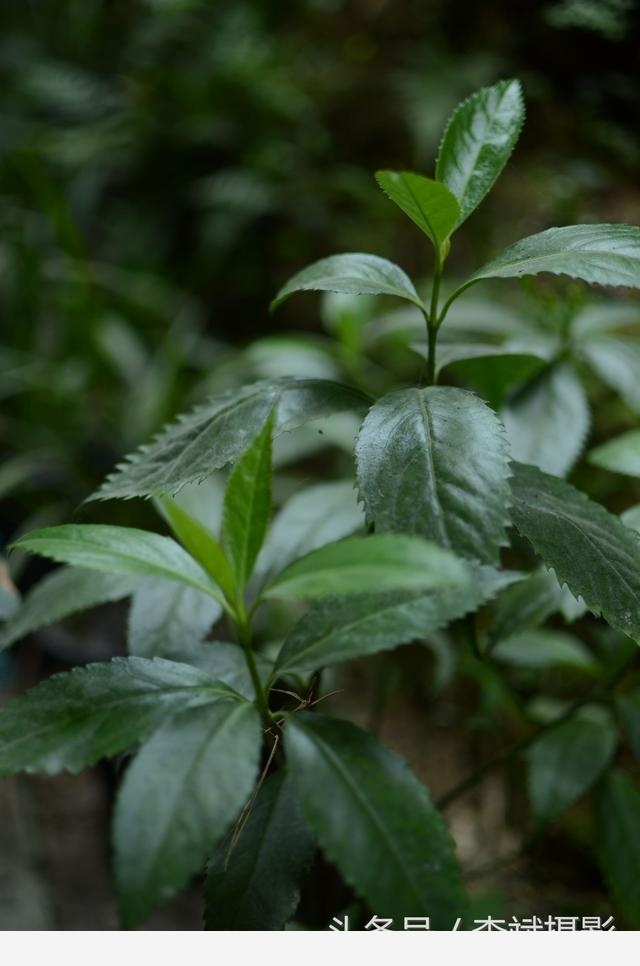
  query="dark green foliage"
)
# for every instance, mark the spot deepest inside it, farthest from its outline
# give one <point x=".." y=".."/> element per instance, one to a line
<point x="253" y="880"/>
<point x="439" y="499"/>
<point x="374" y="820"/>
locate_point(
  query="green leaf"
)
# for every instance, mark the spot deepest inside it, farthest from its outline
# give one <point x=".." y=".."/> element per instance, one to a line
<point x="628" y="708"/>
<point x="167" y="618"/>
<point x="352" y="274"/>
<point x="374" y="820"/>
<point x="539" y="649"/>
<point x="547" y="420"/>
<point x="429" y="204"/>
<point x="617" y="362"/>
<point x="524" y="605"/>
<point x="590" y="549"/>
<point x="493" y="371"/>
<point x="179" y="797"/>
<point x="201" y="544"/>
<point x="226" y="663"/>
<point x="478" y="142"/>
<point x="566" y="761"/>
<point x="360" y="565"/>
<point x="434" y="462"/>
<point x="599" y="317"/>
<point x="217" y="432"/>
<point x="601" y="254"/>
<point x="310" y="519"/>
<point x="247" y="506"/>
<point x="117" y="550"/>
<point x="73" y="719"/>
<point x="253" y="881"/>
<point x="66" y="591"/>
<point x="617" y="839"/>
<point x="631" y="517"/>
<point x="335" y="630"/>
<point x="620" y="455"/>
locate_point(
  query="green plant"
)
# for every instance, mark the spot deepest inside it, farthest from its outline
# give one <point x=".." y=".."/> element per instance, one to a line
<point x="236" y="765"/>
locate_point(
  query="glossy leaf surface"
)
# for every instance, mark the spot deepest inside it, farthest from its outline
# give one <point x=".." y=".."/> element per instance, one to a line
<point x="179" y="797"/>
<point x="253" y="880"/>
<point x="217" y="432"/>
<point x="374" y="819"/>
<point x="339" y="630"/>
<point x="360" y="565"/>
<point x="589" y="549"/>
<point x="478" y="142"/>
<point x="117" y="550"/>
<point x="247" y="505"/>
<point x="601" y="254"/>
<point x="73" y="719"/>
<point x="353" y="273"/>
<point x="434" y="462"/>
<point x="429" y="204"/>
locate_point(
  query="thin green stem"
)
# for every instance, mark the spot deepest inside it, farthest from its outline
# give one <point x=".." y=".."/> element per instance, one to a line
<point x="432" y="321"/>
<point x="243" y="626"/>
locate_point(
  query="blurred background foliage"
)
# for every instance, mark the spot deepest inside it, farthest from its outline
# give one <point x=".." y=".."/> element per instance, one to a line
<point x="166" y="164"/>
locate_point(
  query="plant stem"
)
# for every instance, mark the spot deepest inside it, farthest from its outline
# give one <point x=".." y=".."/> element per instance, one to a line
<point x="433" y="323"/>
<point x="476" y="776"/>
<point x="243" y="626"/>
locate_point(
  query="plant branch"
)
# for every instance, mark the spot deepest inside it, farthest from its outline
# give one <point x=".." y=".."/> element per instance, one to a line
<point x="243" y="626"/>
<point x="432" y="321"/>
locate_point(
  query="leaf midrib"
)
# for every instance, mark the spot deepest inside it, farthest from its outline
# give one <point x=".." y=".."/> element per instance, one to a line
<point x="369" y="811"/>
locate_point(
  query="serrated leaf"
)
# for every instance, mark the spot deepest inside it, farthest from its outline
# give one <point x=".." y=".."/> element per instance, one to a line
<point x="547" y="420"/>
<point x="434" y="462"/>
<point x="310" y="519"/>
<point x="429" y="204"/>
<point x="601" y="254"/>
<point x="253" y="881"/>
<point x="117" y="550"/>
<point x="590" y="549"/>
<point x="360" y="565"/>
<point x="374" y="820"/>
<point x="617" y="840"/>
<point x="352" y="273"/>
<point x="73" y="719"/>
<point x="201" y="544"/>
<point x="537" y="649"/>
<point x="217" y="432"/>
<point x="179" y="797"/>
<point x="628" y="708"/>
<point x="335" y="630"/>
<point x="66" y="591"/>
<point x="620" y="455"/>
<point x="616" y="361"/>
<point x="566" y="761"/>
<point x="167" y="618"/>
<point x="247" y="505"/>
<point x="478" y="142"/>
